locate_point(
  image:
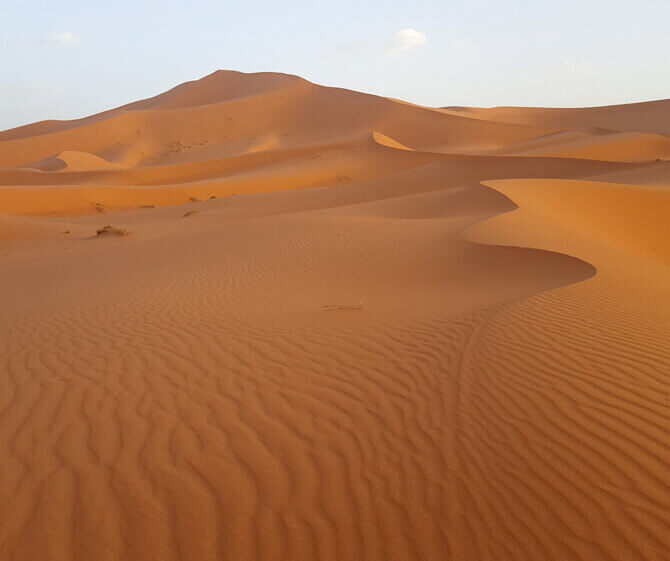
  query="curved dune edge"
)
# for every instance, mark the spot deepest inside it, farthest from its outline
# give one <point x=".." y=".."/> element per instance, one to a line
<point x="389" y="142"/>
<point x="628" y="218"/>
<point x="71" y="161"/>
<point x="622" y="230"/>
<point x="83" y="161"/>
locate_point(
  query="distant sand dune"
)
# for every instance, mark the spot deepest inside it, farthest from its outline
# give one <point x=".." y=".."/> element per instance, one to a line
<point x="348" y="328"/>
<point x="71" y="161"/>
<point x="650" y="117"/>
<point x="599" y="145"/>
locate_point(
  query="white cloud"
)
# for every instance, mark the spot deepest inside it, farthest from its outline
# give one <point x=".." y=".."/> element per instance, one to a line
<point x="64" y="38"/>
<point x="408" y="38"/>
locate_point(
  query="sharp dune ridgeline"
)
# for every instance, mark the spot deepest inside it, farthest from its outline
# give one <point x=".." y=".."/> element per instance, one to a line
<point x="258" y="318"/>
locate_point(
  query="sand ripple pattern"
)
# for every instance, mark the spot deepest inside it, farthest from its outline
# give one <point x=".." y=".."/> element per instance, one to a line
<point x="166" y="433"/>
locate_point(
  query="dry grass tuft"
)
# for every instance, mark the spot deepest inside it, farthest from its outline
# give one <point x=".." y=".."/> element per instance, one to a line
<point x="190" y="213"/>
<point x="110" y="230"/>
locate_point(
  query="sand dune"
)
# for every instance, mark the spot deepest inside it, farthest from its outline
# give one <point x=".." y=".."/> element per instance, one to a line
<point x="338" y="327"/>
<point x="655" y="173"/>
<point x="71" y="161"/>
<point x="161" y="129"/>
<point x="598" y="144"/>
<point x="649" y="117"/>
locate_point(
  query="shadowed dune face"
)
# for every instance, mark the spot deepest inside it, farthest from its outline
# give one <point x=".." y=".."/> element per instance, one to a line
<point x="318" y="324"/>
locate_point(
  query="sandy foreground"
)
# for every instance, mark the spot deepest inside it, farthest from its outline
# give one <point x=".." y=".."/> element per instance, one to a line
<point x="334" y="326"/>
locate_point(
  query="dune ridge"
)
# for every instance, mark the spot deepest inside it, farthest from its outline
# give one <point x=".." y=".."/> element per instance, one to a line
<point x="340" y="327"/>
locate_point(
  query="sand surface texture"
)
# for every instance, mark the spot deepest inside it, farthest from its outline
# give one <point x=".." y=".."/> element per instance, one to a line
<point x="255" y="318"/>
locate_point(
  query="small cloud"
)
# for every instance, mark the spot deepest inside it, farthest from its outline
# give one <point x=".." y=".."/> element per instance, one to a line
<point x="458" y="44"/>
<point x="407" y="39"/>
<point x="64" y="38"/>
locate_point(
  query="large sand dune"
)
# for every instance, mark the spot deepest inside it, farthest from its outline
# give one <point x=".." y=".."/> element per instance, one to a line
<point x="335" y="326"/>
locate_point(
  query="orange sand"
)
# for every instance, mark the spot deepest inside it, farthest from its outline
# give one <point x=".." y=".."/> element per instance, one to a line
<point x="388" y="332"/>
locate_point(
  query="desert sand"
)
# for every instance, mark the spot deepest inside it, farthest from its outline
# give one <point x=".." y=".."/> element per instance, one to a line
<point x="325" y="325"/>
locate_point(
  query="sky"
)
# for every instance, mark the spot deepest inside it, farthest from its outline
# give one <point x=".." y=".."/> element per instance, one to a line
<point x="72" y="58"/>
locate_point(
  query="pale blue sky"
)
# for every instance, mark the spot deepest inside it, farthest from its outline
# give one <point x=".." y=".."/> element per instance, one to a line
<point x="71" y="58"/>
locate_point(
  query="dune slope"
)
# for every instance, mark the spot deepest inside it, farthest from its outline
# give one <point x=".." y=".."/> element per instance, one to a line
<point x="336" y="327"/>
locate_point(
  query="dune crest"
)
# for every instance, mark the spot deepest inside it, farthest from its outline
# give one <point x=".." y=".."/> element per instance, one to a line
<point x="384" y="140"/>
<point x="82" y="161"/>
